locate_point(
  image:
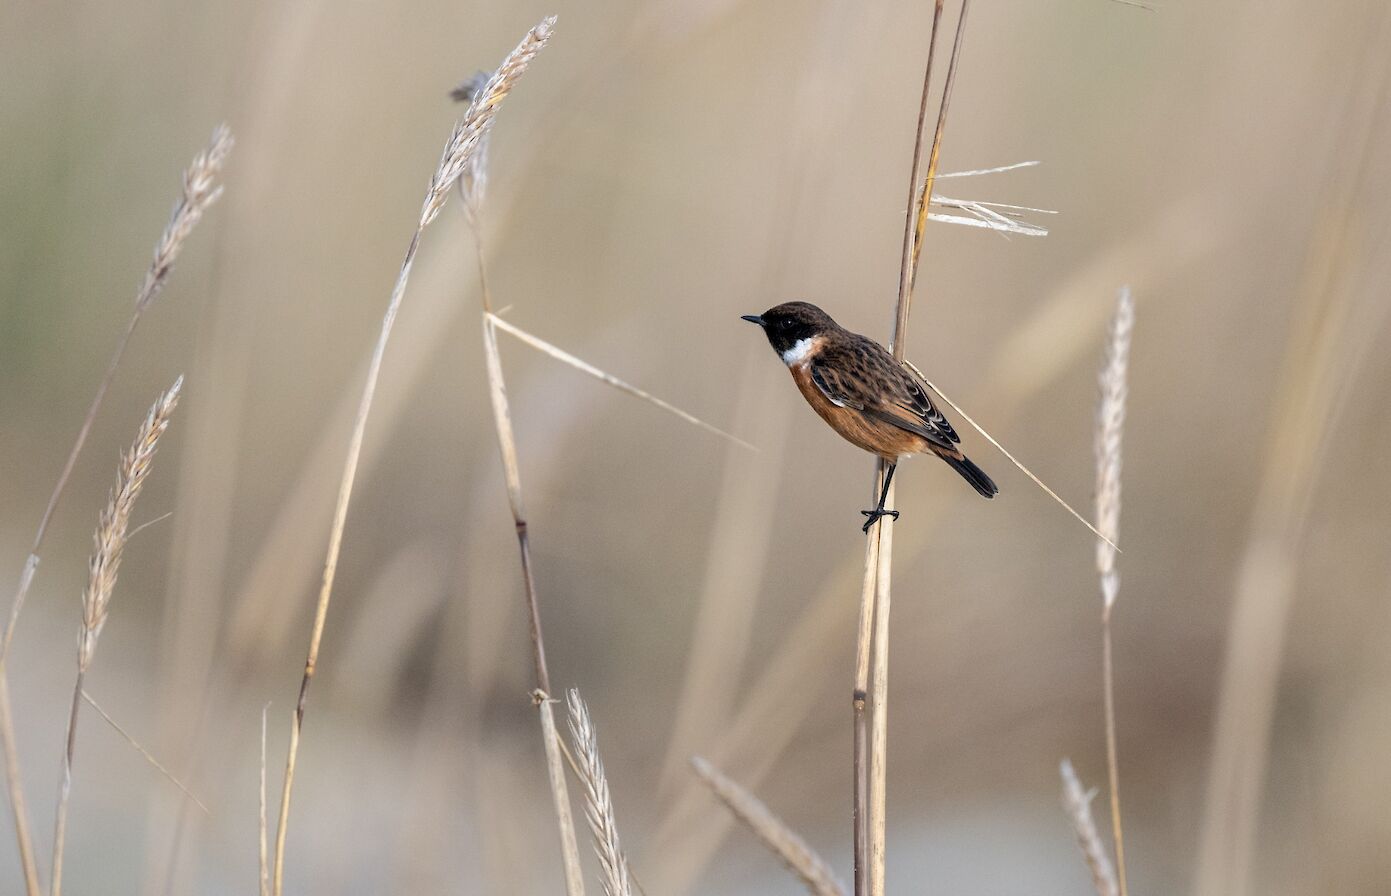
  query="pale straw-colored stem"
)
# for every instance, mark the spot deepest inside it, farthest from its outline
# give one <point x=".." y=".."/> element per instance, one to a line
<point x="468" y="133"/>
<point x="476" y="175"/>
<point x="870" y="772"/>
<point x="1019" y="465"/>
<point x="335" y="540"/>
<point x="263" y="826"/>
<point x="607" y="378"/>
<point x="144" y="753"/>
<point x="60" y="822"/>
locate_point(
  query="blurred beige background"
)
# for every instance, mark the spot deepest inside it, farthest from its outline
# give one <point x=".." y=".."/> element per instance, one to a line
<point x="662" y="169"/>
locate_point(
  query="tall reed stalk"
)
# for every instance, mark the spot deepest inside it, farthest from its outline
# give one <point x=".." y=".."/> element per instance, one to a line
<point x="468" y="133"/>
<point x="872" y="641"/>
<point x="473" y="187"/>
<point x="200" y="190"/>
<point x="1110" y="425"/>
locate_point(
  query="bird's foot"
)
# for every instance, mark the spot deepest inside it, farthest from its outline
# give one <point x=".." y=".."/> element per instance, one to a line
<point x="874" y="516"/>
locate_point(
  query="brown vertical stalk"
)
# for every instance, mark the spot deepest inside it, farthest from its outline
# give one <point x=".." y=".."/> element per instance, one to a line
<point x="873" y="643"/>
<point x="472" y="185"/>
<point x="502" y="418"/>
<point x="468" y="134"/>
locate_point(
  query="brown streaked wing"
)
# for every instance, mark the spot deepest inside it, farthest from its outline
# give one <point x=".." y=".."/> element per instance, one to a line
<point x="861" y="375"/>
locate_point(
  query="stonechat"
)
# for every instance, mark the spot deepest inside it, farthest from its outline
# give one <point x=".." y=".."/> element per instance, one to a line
<point x="857" y="387"/>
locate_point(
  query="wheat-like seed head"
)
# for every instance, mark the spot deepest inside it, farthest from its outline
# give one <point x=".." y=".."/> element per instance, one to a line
<point x="1110" y="423"/>
<point x="114" y="523"/>
<point x="794" y="852"/>
<point x="471" y="130"/>
<point x="1078" y="804"/>
<point x="200" y="191"/>
<point x="473" y="182"/>
<point x="598" y="805"/>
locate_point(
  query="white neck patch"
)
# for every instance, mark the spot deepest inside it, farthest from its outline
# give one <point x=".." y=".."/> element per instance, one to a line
<point x="799" y="352"/>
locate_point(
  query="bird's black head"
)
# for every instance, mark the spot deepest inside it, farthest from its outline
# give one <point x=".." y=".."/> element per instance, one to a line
<point x="789" y="323"/>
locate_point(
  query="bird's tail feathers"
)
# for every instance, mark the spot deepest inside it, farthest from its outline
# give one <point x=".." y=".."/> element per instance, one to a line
<point x="974" y="475"/>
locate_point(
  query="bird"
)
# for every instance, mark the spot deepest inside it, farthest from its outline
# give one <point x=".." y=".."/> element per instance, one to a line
<point x="866" y="395"/>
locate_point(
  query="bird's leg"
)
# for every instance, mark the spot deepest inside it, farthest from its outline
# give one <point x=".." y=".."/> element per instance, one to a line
<point x="879" y="511"/>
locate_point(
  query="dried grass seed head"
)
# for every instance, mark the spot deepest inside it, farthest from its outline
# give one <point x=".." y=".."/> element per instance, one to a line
<point x="114" y="522"/>
<point x="478" y="119"/>
<point x="200" y="190"/>
<point x="1110" y="426"/>
<point x="598" y="803"/>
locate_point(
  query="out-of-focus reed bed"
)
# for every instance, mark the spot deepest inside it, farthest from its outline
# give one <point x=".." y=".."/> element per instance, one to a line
<point x="676" y="167"/>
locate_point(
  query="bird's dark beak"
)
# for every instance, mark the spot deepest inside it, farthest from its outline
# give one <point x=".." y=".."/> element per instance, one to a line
<point x="753" y="319"/>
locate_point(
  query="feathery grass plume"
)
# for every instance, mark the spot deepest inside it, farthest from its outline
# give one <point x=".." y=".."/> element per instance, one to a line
<point x="473" y="182"/>
<point x="200" y="191"/>
<point x="463" y="142"/>
<point x="1110" y="422"/>
<point x="794" y="852"/>
<point x="598" y="805"/>
<point x="477" y="121"/>
<point x="114" y="524"/>
<point x="110" y="537"/>
<point x="997" y="216"/>
<point x="1078" y="804"/>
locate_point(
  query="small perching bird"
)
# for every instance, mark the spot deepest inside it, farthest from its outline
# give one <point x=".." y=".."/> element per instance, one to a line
<point x="857" y="387"/>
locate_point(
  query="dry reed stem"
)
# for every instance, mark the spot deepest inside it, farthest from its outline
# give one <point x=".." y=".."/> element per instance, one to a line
<point x="1110" y="425"/>
<point x="598" y="803"/>
<point x="263" y="826"/>
<point x="502" y="418"/>
<point x="1010" y="457"/>
<point x="507" y="445"/>
<point x="1077" y="802"/>
<point x="464" y="140"/>
<point x="113" y="526"/>
<point x="929" y="180"/>
<point x="791" y="849"/>
<point x="870" y="772"/>
<point x="200" y="190"/>
<point x="18" y="806"/>
<point x="584" y="367"/>
<point x="149" y="757"/>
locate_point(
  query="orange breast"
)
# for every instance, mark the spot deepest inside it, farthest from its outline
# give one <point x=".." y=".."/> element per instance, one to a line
<point x="867" y="433"/>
